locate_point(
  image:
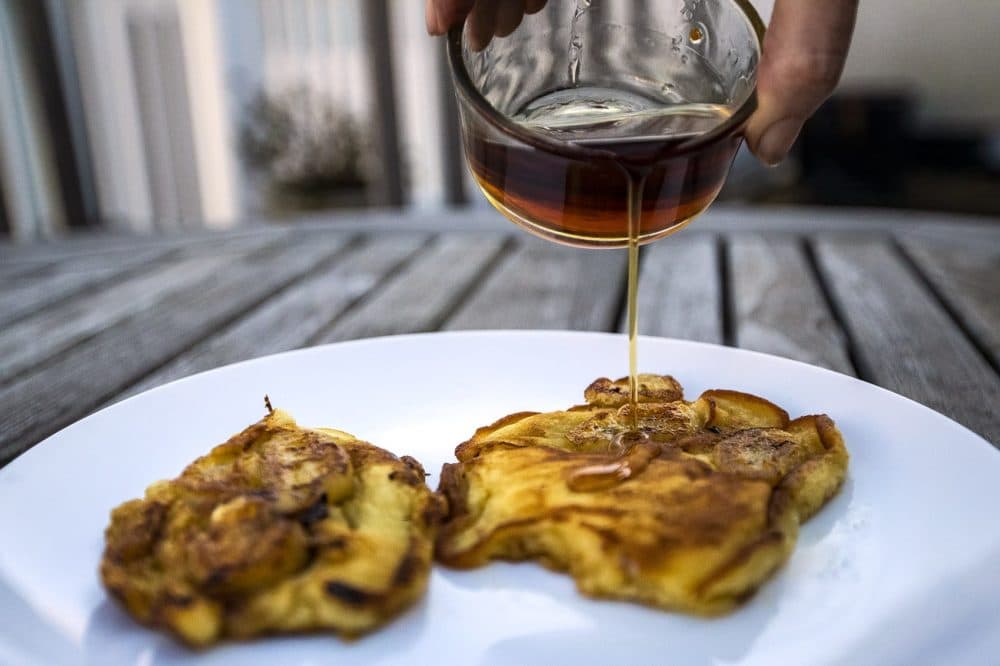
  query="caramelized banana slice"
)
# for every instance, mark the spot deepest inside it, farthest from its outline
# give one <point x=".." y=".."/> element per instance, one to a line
<point x="246" y="545"/>
<point x="732" y="410"/>
<point x="652" y="388"/>
<point x="279" y="529"/>
<point x="767" y="454"/>
<point x="693" y="513"/>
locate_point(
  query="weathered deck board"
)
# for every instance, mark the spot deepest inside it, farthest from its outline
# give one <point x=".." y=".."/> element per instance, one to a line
<point x="779" y="308"/>
<point x="13" y="272"/>
<point x="599" y="292"/>
<point x="903" y="339"/>
<point x="921" y="317"/>
<point x="680" y="289"/>
<point x="290" y="318"/>
<point x="545" y="286"/>
<point x="31" y="341"/>
<point x="28" y="296"/>
<point x="89" y="374"/>
<point x="421" y="295"/>
<point x="968" y="278"/>
<point x="101" y="245"/>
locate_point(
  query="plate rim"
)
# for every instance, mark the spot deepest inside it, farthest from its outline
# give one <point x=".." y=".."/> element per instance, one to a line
<point x="673" y="343"/>
<point x="471" y="333"/>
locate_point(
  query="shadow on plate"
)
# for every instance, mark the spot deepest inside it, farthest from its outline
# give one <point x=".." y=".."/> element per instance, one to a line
<point x="594" y="627"/>
<point x="27" y="636"/>
<point x="620" y="630"/>
<point x="112" y="637"/>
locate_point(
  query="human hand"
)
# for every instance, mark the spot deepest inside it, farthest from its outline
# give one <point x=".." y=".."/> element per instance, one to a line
<point x="487" y="18"/>
<point x="804" y="53"/>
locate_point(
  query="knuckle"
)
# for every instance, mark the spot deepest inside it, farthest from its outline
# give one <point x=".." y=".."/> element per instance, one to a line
<point x="816" y="72"/>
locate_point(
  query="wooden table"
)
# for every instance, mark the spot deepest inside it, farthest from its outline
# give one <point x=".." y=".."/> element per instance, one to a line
<point x="908" y="301"/>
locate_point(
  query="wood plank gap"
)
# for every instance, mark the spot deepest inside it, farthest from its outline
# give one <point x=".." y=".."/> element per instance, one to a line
<point x="619" y="320"/>
<point x="252" y="305"/>
<point x="387" y="278"/>
<point x="779" y="309"/>
<point x="727" y="306"/>
<point x="922" y="278"/>
<point x="861" y="369"/>
<point x="413" y="299"/>
<point x="679" y="292"/>
<point x="908" y="340"/>
<point x="537" y="285"/>
<point x="41" y="339"/>
<point x="29" y="298"/>
<point x="967" y="274"/>
<point x="142" y="382"/>
<point x="86" y="376"/>
<point x="597" y="292"/>
<point x="94" y="244"/>
<point x="464" y="295"/>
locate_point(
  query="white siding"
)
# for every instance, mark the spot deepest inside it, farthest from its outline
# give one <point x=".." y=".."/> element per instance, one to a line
<point x="112" y="113"/>
<point x="212" y="126"/>
<point x="151" y="74"/>
<point x="27" y="169"/>
<point x="418" y="91"/>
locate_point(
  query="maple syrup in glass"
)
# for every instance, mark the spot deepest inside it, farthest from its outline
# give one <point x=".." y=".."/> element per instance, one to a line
<point x="621" y="138"/>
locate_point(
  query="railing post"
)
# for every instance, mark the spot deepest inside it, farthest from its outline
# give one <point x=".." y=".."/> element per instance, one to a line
<point x="387" y="188"/>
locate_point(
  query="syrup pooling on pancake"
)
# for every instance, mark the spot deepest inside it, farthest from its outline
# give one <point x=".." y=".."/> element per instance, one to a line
<point x="693" y="514"/>
<point x="637" y="450"/>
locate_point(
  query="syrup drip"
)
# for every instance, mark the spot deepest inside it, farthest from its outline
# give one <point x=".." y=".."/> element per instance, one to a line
<point x="634" y="446"/>
<point x="635" y="188"/>
<point x="639" y="451"/>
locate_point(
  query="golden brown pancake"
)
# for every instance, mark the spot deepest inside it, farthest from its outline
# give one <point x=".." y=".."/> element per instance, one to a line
<point x="694" y="518"/>
<point x="280" y="529"/>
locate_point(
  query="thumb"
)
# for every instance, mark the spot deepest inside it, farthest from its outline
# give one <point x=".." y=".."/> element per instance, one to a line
<point x="442" y="14"/>
<point x="803" y="56"/>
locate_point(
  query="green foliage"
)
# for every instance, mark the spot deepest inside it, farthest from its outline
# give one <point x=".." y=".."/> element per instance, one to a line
<point x="304" y="144"/>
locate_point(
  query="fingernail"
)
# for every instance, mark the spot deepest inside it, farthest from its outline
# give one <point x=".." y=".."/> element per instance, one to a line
<point x="777" y="140"/>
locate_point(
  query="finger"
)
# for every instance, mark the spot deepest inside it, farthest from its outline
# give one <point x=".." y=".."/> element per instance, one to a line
<point x="509" y="15"/>
<point x="482" y="23"/>
<point x="431" y="18"/>
<point x="534" y="6"/>
<point x="804" y="53"/>
<point x="442" y="14"/>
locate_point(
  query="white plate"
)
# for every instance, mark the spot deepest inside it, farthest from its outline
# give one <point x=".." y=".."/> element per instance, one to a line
<point x="900" y="566"/>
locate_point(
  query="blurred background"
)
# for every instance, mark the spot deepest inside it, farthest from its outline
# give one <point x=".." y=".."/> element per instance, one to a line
<point x="152" y="115"/>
